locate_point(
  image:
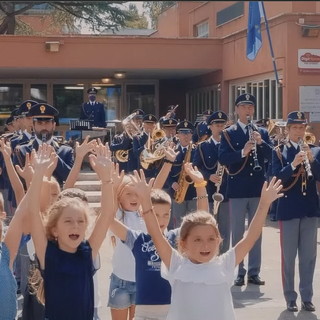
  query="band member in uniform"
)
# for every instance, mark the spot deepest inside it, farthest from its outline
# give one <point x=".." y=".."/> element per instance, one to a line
<point x="298" y="211"/>
<point x="206" y="159"/>
<point x="243" y="150"/>
<point x="202" y="131"/>
<point x="177" y="179"/>
<point x="93" y="110"/>
<point x="43" y="126"/>
<point x="26" y="124"/>
<point x="138" y="118"/>
<point x="169" y="127"/>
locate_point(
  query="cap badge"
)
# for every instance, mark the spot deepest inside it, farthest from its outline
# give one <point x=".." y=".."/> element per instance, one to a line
<point x="247" y="97"/>
<point x="42" y="108"/>
<point x="185" y="124"/>
<point x="28" y="105"/>
<point x="299" y="115"/>
<point x="220" y="115"/>
<point x="150" y="117"/>
<point x="170" y="121"/>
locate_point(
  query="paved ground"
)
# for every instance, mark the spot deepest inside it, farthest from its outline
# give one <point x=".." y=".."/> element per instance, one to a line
<point x="251" y="302"/>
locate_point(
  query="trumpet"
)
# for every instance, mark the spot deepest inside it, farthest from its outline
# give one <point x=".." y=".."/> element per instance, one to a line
<point x="217" y="196"/>
<point x="306" y="162"/>
<point x="251" y="129"/>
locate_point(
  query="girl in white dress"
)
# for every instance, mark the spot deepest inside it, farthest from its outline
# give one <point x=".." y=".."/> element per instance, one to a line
<point x="200" y="279"/>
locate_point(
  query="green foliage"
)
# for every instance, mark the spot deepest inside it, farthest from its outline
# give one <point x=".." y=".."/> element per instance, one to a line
<point x="155" y="8"/>
<point x="136" y="20"/>
<point x="97" y="15"/>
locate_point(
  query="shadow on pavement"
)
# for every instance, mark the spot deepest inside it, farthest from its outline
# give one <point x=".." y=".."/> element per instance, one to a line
<point x="249" y="296"/>
<point x="301" y="315"/>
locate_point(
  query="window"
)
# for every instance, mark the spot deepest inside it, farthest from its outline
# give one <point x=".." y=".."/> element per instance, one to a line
<point x="267" y="93"/>
<point x="141" y="96"/>
<point x="38" y="92"/>
<point x="202" y="99"/>
<point x="202" y="30"/>
<point x="230" y="13"/>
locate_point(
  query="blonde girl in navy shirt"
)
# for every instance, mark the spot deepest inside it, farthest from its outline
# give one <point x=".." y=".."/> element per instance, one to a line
<point x="65" y="257"/>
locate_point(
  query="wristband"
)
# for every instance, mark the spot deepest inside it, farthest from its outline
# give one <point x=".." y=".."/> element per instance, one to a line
<point x="201" y="197"/>
<point x="168" y="161"/>
<point x="200" y="184"/>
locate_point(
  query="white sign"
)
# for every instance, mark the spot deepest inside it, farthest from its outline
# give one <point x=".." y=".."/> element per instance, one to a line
<point x="314" y="117"/>
<point x="309" y="60"/>
<point x="309" y="98"/>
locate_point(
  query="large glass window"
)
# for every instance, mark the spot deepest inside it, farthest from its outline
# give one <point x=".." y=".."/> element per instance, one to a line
<point x="38" y="92"/>
<point x="141" y="96"/>
<point x="202" y="30"/>
<point x="267" y="93"/>
<point x="11" y="96"/>
<point x="202" y="99"/>
<point x="110" y="96"/>
<point x="68" y="100"/>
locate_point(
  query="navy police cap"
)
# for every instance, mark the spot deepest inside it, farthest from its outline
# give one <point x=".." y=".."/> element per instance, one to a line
<point x="246" y="98"/>
<point x="9" y="120"/>
<point x="92" y="91"/>
<point x="25" y="106"/>
<point x="149" y="118"/>
<point x="139" y="113"/>
<point x="171" y="122"/>
<point x="42" y="111"/>
<point x="185" y="126"/>
<point x="15" y="113"/>
<point x="207" y="112"/>
<point x="296" y="117"/>
<point x="217" y="117"/>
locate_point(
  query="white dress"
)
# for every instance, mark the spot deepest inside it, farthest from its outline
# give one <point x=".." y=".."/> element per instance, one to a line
<point x="201" y="291"/>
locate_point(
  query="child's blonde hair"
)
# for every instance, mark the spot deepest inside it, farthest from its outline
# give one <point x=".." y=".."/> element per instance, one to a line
<point x="197" y="218"/>
<point x="52" y="217"/>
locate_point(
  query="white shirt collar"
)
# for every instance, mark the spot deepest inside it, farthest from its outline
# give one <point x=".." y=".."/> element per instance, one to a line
<point x="29" y="135"/>
<point x="243" y="126"/>
<point x="294" y="144"/>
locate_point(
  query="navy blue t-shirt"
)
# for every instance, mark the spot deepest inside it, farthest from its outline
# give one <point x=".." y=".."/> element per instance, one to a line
<point x="151" y="288"/>
<point x="68" y="281"/>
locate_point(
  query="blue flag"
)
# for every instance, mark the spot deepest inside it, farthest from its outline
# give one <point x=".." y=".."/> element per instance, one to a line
<point x="254" y="39"/>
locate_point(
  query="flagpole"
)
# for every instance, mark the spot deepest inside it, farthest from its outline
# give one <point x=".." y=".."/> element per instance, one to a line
<point x="270" y="43"/>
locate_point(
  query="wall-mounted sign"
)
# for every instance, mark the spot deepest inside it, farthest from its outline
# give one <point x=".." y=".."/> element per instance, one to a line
<point x="309" y="60"/>
<point x="309" y="98"/>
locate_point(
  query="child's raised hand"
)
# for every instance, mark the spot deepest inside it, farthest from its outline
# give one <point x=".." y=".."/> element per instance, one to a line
<point x="142" y="187"/>
<point x="5" y="148"/>
<point x="194" y="173"/>
<point x="27" y="172"/>
<point x="43" y="158"/>
<point x="101" y="162"/>
<point x="117" y="177"/>
<point x="271" y="192"/>
<point x="170" y="153"/>
<point x="82" y="149"/>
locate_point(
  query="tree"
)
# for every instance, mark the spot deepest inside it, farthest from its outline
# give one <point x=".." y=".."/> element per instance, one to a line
<point x="155" y="8"/>
<point x="98" y="15"/>
<point x="136" y="20"/>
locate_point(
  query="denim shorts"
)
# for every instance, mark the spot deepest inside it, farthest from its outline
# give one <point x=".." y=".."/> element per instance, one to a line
<point x="122" y="293"/>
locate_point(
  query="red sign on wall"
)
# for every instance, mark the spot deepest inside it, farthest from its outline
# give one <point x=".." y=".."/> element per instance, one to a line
<point x="309" y="60"/>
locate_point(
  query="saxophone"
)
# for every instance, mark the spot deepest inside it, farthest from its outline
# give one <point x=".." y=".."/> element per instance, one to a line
<point x="184" y="180"/>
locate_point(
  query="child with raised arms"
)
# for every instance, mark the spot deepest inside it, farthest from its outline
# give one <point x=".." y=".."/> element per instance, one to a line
<point x="200" y="279"/>
<point x="65" y="257"/>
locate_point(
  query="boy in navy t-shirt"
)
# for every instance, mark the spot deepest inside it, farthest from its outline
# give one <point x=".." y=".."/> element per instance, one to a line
<point x="153" y="293"/>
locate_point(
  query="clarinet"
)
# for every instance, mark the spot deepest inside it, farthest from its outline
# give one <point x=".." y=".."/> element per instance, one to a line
<point x="252" y="128"/>
<point x="306" y="162"/>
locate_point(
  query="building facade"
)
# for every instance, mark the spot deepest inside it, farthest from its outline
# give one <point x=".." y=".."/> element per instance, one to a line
<point x="196" y="58"/>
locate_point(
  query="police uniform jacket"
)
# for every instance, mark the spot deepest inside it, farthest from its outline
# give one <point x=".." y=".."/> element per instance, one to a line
<point x="298" y="201"/>
<point x="175" y="173"/>
<point x="124" y="142"/>
<point x="206" y="159"/>
<point x="65" y="157"/>
<point x="201" y="132"/>
<point x="94" y="112"/>
<point x="243" y="181"/>
<point x="22" y="139"/>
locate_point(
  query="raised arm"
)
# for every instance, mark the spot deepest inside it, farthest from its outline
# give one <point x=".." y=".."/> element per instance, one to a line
<point x="101" y="163"/>
<point x="200" y="185"/>
<point x="143" y="190"/>
<point x="80" y="152"/>
<point x="42" y="159"/>
<point x="166" y="168"/>
<point x="16" y="183"/>
<point x="268" y="195"/>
